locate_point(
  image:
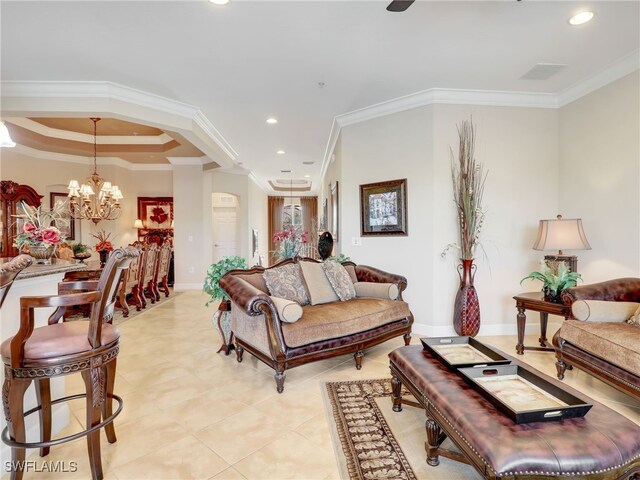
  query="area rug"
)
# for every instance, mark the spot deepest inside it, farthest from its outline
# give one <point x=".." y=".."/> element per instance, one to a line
<point x="372" y="441"/>
<point x="119" y="319"/>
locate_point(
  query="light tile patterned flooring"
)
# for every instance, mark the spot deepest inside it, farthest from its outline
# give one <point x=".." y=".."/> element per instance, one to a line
<point x="193" y="414"/>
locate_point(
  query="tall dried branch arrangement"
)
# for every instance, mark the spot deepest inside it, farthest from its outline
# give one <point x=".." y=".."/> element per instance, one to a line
<point x="468" y="187"/>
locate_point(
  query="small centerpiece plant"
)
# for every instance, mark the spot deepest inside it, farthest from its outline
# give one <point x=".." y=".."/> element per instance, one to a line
<point x="291" y="241"/>
<point x="555" y="277"/>
<point x="215" y="273"/>
<point x="103" y="247"/>
<point x="40" y="230"/>
<point x="81" y="251"/>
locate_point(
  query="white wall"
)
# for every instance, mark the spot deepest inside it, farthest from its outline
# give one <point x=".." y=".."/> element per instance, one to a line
<point x="519" y="148"/>
<point x="600" y="172"/>
<point x="257" y="219"/>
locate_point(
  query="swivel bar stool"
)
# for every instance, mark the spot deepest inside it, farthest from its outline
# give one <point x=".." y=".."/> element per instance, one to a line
<point x="89" y="347"/>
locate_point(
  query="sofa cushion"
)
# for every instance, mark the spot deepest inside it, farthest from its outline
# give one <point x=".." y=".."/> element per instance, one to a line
<point x="286" y="282"/>
<point x="257" y="280"/>
<point x="338" y="319"/>
<point x="288" y="311"/>
<point x="320" y="290"/>
<point x="616" y="343"/>
<point x="351" y="270"/>
<point x="603" y="311"/>
<point x="377" y="290"/>
<point x="339" y="279"/>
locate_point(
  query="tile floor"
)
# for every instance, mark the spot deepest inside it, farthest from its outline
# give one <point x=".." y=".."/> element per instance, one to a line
<point x="193" y="414"/>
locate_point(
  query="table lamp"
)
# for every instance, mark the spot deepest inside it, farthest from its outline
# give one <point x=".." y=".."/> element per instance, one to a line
<point x="562" y="234"/>
<point x="138" y="224"/>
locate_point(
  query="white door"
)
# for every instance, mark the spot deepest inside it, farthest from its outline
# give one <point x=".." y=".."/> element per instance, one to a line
<point x="225" y="234"/>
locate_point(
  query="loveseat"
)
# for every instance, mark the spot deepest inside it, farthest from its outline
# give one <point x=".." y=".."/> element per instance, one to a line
<point x="599" y="338"/>
<point x="260" y="322"/>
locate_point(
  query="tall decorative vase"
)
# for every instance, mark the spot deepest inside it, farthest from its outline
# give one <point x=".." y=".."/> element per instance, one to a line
<point x="41" y="253"/>
<point x="103" y="257"/>
<point x="466" y="312"/>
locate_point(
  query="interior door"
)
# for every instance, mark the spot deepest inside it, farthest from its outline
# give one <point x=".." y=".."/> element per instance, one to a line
<point x="225" y="232"/>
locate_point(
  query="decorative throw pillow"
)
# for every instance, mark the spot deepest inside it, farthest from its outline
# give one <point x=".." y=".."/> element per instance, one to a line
<point x="339" y="279"/>
<point x="320" y="290"/>
<point x="286" y="282"/>
<point x="377" y="290"/>
<point x="603" y="311"/>
<point x="635" y="318"/>
<point x="288" y="311"/>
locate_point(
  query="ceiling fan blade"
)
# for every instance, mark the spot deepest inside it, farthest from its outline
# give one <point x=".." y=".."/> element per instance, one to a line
<point x="399" y="5"/>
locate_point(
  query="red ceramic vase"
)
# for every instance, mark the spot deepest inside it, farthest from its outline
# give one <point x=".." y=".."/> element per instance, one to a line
<point x="466" y="311"/>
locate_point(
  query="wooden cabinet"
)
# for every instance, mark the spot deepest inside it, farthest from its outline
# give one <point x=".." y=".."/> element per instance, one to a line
<point x="10" y="195"/>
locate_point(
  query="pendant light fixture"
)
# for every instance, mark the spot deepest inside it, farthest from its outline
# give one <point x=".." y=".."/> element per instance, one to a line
<point x="96" y="199"/>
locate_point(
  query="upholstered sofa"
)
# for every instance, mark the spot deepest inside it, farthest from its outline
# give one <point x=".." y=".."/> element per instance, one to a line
<point x="323" y="330"/>
<point x="602" y="342"/>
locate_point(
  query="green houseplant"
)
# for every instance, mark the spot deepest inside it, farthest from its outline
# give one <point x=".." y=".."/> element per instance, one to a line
<point x="555" y="277"/>
<point x="222" y="317"/>
<point x="81" y="251"/>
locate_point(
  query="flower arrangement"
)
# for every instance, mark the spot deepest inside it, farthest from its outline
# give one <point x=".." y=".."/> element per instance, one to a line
<point x="291" y="241"/>
<point x="103" y="245"/>
<point x="215" y="273"/>
<point x="38" y="228"/>
<point x="468" y="180"/>
<point x="555" y="277"/>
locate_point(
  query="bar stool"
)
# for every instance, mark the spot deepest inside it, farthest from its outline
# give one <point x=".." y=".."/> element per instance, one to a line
<point x="89" y="347"/>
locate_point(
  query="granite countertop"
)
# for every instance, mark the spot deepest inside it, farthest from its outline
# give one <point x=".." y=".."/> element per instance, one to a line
<point x="58" y="266"/>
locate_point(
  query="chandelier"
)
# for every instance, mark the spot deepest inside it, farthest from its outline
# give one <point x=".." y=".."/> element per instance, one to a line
<point x="96" y="199"/>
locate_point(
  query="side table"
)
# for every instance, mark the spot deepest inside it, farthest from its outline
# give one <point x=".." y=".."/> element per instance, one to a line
<point x="535" y="301"/>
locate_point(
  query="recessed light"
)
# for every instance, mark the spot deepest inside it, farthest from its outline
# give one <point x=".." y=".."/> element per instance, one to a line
<point x="580" y="18"/>
<point x="281" y="152"/>
<point x="219" y="2"/>
<point x="272" y="121"/>
<point x="307" y="176"/>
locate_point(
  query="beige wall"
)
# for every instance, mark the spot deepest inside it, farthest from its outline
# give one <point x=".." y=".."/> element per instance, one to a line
<point x="600" y="172"/>
<point x="53" y="176"/>
<point x="519" y="148"/>
<point x="257" y="219"/>
<point x="332" y="175"/>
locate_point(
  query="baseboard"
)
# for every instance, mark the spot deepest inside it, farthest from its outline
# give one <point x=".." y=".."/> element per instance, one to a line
<point x="59" y="420"/>
<point x="486" y="329"/>
<point x="181" y="287"/>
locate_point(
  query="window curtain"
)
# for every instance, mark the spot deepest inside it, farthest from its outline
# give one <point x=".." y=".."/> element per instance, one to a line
<point x="275" y="205"/>
<point x="309" y="210"/>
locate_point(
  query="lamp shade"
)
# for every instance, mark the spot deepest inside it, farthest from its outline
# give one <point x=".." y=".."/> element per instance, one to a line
<point x="138" y="223"/>
<point x="561" y="234"/>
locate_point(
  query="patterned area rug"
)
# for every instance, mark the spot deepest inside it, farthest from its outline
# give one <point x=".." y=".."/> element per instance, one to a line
<point x="374" y="442"/>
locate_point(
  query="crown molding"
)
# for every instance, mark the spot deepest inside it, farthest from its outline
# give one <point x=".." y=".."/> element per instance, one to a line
<point x="611" y="73"/>
<point x="88" y="161"/>
<point x="618" y="69"/>
<point x="45" y="131"/>
<point x="180" y="161"/>
<point x="34" y="98"/>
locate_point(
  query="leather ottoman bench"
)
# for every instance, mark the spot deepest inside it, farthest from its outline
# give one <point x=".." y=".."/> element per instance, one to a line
<point x="601" y="445"/>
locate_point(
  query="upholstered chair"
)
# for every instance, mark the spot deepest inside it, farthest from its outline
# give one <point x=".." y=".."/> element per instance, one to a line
<point x="89" y="347"/>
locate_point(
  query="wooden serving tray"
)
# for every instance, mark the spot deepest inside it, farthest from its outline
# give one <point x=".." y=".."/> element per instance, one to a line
<point x="523" y="395"/>
<point x="462" y="352"/>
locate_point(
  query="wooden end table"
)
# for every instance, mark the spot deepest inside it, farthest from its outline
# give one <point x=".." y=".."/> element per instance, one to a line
<point x="535" y="301"/>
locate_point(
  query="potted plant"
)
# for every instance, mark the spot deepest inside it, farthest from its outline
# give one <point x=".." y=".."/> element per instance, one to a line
<point x="555" y="277"/>
<point x="222" y="318"/>
<point x="81" y="251"/>
<point x="39" y="232"/>
<point x="290" y="242"/>
<point x="103" y="247"/>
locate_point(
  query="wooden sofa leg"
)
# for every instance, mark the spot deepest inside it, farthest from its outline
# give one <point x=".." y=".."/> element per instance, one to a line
<point x="239" y="352"/>
<point x="561" y="367"/>
<point x="358" y="356"/>
<point x="407" y="338"/>
<point x="280" y="376"/>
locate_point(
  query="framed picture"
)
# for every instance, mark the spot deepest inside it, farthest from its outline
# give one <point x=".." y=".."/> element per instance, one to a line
<point x="156" y="213"/>
<point x="335" y="209"/>
<point x="383" y="208"/>
<point x="57" y="198"/>
<point x="254" y="242"/>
